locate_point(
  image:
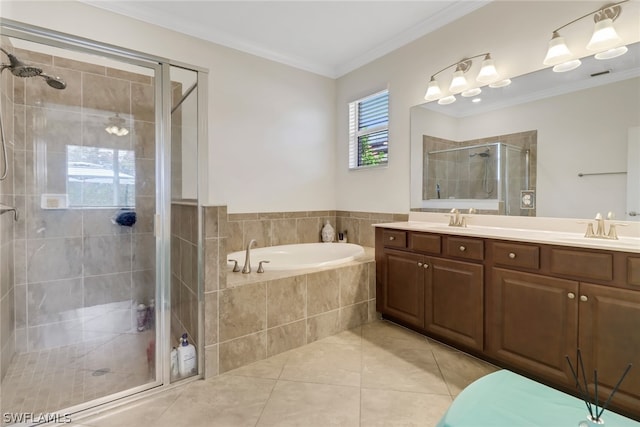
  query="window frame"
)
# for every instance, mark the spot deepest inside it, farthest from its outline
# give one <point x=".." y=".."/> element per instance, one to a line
<point x="355" y="134"/>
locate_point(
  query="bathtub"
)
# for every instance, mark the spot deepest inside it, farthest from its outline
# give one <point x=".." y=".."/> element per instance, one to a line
<point x="304" y="255"/>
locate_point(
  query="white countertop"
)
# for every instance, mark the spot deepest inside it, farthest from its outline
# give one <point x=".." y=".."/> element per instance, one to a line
<point x="555" y="231"/>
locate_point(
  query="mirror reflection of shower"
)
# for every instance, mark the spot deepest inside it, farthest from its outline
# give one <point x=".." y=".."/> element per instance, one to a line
<point x="20" y="69"/>
<point x="487" y="186"/>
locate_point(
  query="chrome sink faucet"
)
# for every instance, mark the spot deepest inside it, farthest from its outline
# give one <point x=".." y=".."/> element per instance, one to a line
<point x="247" y="258"/>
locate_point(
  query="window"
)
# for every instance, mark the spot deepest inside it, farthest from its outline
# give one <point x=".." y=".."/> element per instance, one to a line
<point x="369" y="131"/>
<point x="100" y="177"/>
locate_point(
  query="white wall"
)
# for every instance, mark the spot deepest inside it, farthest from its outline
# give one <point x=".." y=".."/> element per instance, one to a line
<point x="515" y="32"/>
<point x="271" y="127"/>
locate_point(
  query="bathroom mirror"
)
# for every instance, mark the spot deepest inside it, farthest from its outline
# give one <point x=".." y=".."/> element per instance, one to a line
<point x="582" y="119"/>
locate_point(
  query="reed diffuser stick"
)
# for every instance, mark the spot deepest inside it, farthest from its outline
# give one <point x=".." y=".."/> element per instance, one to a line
<point x="615" y="389"/>
<point x="595" y="379"/>
<point x="584" y="377"/>
<point x="582" y="393"/>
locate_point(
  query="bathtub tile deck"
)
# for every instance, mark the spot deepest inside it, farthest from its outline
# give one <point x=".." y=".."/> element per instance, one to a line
<point x="378" y="374"/>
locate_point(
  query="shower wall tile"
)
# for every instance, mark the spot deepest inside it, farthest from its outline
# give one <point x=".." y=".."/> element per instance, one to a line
<point x="30" y="56"/>
<point x="55" y="301"/>
<point x="145" y="177"/>
<point x="105" y="94"/>
<point x="54" y="259"/>
<point x="94" y="135"/>
<point x="20" y="261"/>
<point x="20" y="301"/>
<point x="53" y="129"/>
<point x="145" y="215"/>
<point x="79" y="65"/>
<point x="143" y="137"/>
<point x="108" y="288"/>
<point x="47" y="223"/>
<point x="38" y="94"/>
<point x="107" y="254"/>
<point x="98" y="222"/>
<point x="144" y="286"/>
<point x="19" y="120"/>
<point x="127" y="75"/>
<point x="142" y="102"/>
<point x="144" y="251"/>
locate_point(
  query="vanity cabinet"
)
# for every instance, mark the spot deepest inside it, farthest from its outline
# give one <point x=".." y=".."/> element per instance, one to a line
<point x="524" y="306"/>
<point x="443" y="297"/>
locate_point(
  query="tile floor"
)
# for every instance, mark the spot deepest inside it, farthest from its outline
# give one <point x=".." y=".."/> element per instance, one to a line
<point x="376" y="375"/>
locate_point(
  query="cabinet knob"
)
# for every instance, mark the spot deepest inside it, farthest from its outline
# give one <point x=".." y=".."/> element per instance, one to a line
<point x="571" y="295"/>
<point x="512" y="255"/>
<point x="426" y="265"/>
<point x="419" y="264"/>
<point x="584" y="298"/>
<point x="462" y="248"/>
<point x="392" y="238"/>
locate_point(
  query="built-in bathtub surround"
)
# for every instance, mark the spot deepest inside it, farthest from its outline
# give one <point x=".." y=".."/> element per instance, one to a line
<point x="284" y="228"/>
<point x="78" y="275"/>
<point x="261" y="315"/>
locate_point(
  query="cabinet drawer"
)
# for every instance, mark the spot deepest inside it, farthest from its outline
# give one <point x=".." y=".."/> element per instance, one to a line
<point x="462" y="247"/>
<point x="429" y="243"/>
<point x="585" y="265"/>
<point x="395" y="238"/>
<point x="516" y="255"/>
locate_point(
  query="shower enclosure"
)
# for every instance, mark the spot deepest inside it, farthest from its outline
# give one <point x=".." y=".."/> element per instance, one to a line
<point x="93" y="158"/>
<point x="495" y="172"/>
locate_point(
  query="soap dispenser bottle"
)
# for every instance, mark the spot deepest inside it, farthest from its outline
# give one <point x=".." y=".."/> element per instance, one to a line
<point x="186" y="357"/>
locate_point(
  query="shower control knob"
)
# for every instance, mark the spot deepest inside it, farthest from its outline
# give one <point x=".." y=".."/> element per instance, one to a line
<point x="462" y="248"/>
<point x="512" y="255"/>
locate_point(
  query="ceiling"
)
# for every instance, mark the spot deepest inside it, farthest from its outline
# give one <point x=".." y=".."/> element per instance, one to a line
<point x="330" y="38"/>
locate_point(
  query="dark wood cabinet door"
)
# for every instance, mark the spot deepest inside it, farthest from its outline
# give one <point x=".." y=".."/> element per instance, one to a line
<point x="532" y="323"/>
<point x="455" y="301"/>
<point x="609" y="340"/>
<point x="403" y="287"/>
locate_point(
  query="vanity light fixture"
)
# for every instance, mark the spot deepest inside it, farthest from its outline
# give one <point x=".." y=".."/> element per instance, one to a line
<point x="605" y="40"/>
<point x="115" y="126"/>
<point x="459" y="83"/>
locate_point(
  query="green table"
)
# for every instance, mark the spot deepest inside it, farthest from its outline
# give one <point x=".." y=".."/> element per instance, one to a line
<point x="510" y="400"/>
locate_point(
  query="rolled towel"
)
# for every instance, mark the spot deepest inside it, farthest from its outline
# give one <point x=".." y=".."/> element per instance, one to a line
<point x="125" y="218"/>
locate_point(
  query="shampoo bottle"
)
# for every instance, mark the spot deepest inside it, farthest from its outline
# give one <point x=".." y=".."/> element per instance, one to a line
<point x="186" y="357"/>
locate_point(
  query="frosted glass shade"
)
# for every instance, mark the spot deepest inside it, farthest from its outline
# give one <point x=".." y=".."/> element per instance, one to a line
<point x="604" y="36"/>
<point x="612" y="53"/>
<point x="558" y="51"/>
<point x="488" y="73"/>
<point x="433" y="91"/>
<point x="567" y="66"/>
<point x="458" y="83"/>
<point x="471" y="92"/>
<point x="447" y="100"/>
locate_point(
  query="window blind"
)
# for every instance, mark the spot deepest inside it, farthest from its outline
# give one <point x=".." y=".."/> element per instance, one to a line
<point x="369" y="131"/>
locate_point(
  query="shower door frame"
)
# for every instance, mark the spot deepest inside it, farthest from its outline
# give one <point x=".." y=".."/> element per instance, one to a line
<point x="162" y="218"/>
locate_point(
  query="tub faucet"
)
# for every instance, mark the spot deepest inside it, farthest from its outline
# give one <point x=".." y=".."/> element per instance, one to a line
<point x="247" y="258"/>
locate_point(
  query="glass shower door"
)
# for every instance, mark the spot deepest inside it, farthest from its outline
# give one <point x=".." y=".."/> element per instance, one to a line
<point x="79" y="291"/>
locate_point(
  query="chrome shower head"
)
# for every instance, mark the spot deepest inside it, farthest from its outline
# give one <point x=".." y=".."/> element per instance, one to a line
<point x="55" y="82"/>
<point x="20" y="69"/>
